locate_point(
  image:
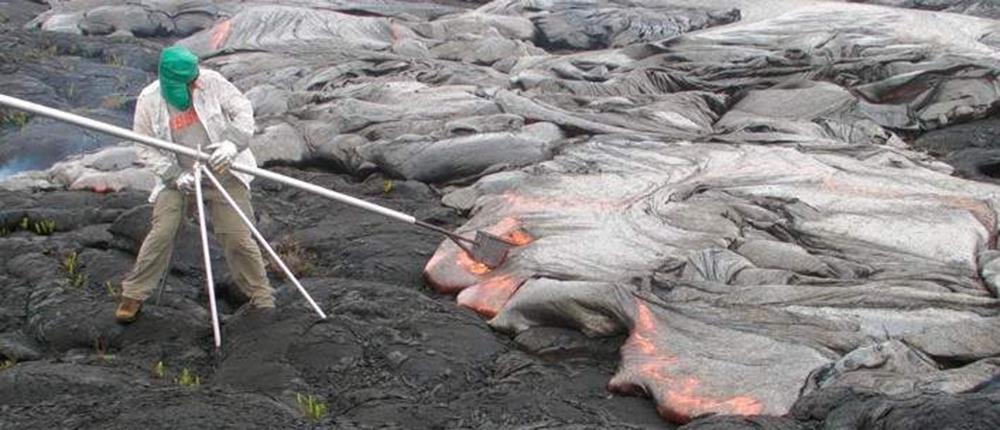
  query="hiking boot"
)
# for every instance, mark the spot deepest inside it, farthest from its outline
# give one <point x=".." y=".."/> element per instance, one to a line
<point x="255" y="307"/>
<point x="265" y="302"/>
<point x="128" y="310"/>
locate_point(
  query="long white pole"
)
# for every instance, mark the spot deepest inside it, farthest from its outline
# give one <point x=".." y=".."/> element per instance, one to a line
<point x="198" y="155"/>
<point x="208" y="258"/>
<point x="263" y="242"/>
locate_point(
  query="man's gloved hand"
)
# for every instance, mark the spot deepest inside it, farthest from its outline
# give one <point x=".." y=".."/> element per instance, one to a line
<point x="185" y="182"/>
<point x="222" y="156"/>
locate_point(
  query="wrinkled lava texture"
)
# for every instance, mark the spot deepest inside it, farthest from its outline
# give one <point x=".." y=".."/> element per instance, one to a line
<point x="723" y="215"/>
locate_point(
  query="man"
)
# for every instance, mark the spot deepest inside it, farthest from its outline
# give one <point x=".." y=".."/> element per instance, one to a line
<point x="195" y="107"/>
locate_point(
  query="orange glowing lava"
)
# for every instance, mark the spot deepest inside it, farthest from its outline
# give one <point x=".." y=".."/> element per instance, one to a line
<point x="489" y="297"/>
<point x="677" y="396"/>
<point x="451" y="270"/>
<point x="507" y="229"/>
<point x="219" y="33"/>
<point x="641" y="339"/>
<point x="518" y="237"/>
<point x="395" y="33"/>
<point x="472" y="266"/>
<point x="679" y="402"/>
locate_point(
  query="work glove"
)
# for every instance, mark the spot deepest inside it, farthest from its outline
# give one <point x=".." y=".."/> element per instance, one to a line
<point x="222" y="156"/>
<point x="185" y="182"/>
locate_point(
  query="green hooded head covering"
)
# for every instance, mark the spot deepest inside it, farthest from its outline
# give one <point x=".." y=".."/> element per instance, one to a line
<point x="178" y="67"/>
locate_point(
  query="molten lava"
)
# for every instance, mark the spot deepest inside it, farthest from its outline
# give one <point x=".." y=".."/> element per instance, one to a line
<point x="646" y="365"/>
<point x="487" y="298"/>
<point x="219" y="33"/>
<point x="465" y="261"/>
<point x="518" y="237"/>
<point x="642" y="336"/>
<point x="451" y="270"/>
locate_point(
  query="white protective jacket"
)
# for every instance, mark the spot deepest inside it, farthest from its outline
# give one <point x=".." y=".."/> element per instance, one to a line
<point x="224" y="111"/>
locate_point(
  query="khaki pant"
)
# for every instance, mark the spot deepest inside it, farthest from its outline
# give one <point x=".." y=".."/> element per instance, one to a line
<point x="242" y="254"/>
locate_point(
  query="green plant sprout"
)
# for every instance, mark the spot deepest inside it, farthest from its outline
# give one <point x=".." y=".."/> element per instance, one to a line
<point x="114" y="60"/>
<point x="21" y="119"/>
<point x="101" y="349"/>
<point x="18" y="118"/>
<point x="313" y="408"/>
<point x="187" y="379"/>
<point x="71" y="265"/>
<point x="111" y="290"/>
<point x="44" y="227"/>
<point x="159" y="370"/>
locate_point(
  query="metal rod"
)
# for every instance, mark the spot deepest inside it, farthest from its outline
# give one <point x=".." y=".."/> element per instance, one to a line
<point x="263" y="242"/>
<point x="198" y="155"/>
<point x="208" y="258"/>
<point x="453" y="236"/>
<point x="323" y="192"/>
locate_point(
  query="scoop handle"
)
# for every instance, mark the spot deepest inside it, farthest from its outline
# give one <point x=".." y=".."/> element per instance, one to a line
<point x="113" y="130"/>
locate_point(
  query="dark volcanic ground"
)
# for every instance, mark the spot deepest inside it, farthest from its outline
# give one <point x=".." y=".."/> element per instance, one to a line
<point x="391" y="355"/>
